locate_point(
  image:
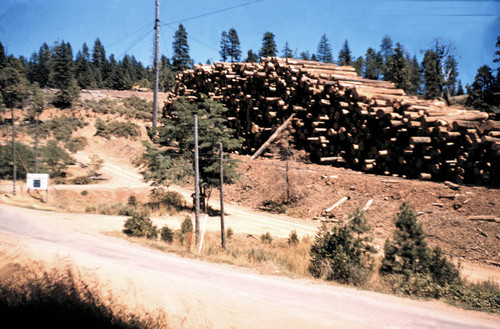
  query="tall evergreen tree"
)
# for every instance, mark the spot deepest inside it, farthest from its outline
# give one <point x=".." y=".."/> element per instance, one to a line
<point x="62" y="76"/>
<point x="358" y="65"/>
<point x="224" y="46"/>
<point x="167" y="77"/>
<point x="41" y="66"/>
<point x="180" y="59"/>
<point x="305" y="55"/>
<point x="14" y="87"/>
<point x="460" y="88"/>
<point x="268" y="45"/>
<point x="386" y="52"/>
<point x="433" y="80"/>
<point x="3" y="57"/>
<point x="287" y="52"/>
<point x="415" y="76"/>
<point x="345" y="57"/>
<point x="373" y="64"/>
<point x="83" y="69"/>
<point x="483" y="94"/>
<point x="251" y="57"/>
<point x="324" y="53"/>
<point x="234" y="45"/>
<point x="99" y="63"/>
<point x="397" y="69"/>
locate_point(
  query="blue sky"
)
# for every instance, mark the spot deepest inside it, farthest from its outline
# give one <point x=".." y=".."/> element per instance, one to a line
<point x="126" y="26"/>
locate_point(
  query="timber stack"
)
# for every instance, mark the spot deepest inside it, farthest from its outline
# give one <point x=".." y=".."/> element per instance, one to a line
<point x="343" y="119"/>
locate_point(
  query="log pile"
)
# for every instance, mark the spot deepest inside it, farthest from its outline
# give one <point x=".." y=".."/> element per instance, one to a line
<point x="341" y="118"/>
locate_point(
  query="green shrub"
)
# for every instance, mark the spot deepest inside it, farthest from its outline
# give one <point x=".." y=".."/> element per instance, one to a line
<point x="171" y="200"/>
<point x="140" y="225"/>
<point x="75" y="144"/>
<point x="132" y="201"/>
<point x="266" y="238"/>
<point x="24" y="151"/>
<point x="293" y="239"/>
<point x="118" y="129"/>
<point x="84" y="192"/>
<point x="81" y="180"/>
<point x="167" y="234"/>
<point x="187" y="225"/>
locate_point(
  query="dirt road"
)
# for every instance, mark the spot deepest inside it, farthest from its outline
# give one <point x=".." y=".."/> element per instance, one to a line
<point x="218" y="296"/>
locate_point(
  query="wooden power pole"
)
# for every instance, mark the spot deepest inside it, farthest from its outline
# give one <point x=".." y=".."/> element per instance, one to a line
<point x="156" y="67"/>
<point x="196" y="182"/>
<point x="13" y="153"/>
<point x="222" y="230"/>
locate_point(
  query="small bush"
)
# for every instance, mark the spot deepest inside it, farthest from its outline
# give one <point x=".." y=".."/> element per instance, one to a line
<point x="167" y="234"/>
<point x="187" y="225"/>
<point x="84" y="192"/>
<point x="118" y="129"/>
<point x="293" y="239"/>
<point x="170" y="201"/>
<point x="140" y="225"/>
<point x="229" y="233"/>
<point x="132" y="201"/>
<point x="266" y="238"/>
<point x="75" y="144"/>
<point x="81" y="180"/>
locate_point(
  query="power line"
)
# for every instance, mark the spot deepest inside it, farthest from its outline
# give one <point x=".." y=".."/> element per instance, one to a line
<point x="211" y="13"/>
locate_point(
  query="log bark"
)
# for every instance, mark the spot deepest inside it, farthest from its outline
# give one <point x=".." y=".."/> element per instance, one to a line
<point x="273" y="137"/>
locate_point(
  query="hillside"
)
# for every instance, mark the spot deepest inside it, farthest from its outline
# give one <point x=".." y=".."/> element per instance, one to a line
<point x="312" y="188"/>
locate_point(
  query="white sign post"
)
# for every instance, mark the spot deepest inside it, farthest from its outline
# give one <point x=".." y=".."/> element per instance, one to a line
<point x="38" y="182"/>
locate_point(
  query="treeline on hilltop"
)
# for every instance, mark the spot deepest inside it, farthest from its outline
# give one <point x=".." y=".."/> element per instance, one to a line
<point x="436" y="76"/>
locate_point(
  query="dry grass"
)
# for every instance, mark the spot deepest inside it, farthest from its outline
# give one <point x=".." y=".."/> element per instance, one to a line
<point x="33" y="295"/>
<point x="242" y="250"/>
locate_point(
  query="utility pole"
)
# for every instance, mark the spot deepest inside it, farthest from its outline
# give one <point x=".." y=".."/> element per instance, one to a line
<point x="196" y="182"/>
<point x="156" y="67"/>
<point x="36" y="144"/>
<point x="13" y="152"/>
<point x="222" y="229"/>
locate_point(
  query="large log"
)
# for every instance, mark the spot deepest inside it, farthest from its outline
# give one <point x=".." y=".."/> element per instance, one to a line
<point x="273" y="137"/>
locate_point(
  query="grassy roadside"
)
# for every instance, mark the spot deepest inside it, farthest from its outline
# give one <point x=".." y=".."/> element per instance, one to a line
<point x="291" y="257"/>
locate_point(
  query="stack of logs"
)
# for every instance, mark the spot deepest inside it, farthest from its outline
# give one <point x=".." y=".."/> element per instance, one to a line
<point x="341" y="118"/>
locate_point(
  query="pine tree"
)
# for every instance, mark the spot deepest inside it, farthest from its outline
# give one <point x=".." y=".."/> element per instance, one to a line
<point x="408" y="252"/>
<point x="167" y="77"/>
<point x="268" y="45"/>
<point x="14" y="88"/>
<point x="251" y="57"/>
<point x="234" y="46"/>
<point x="287" y="52"/>
<point x="373" y="64"/>
<point x="415" y="78"/>
<point x="83" y="69"/>
<point x="224" y="46"/>
<point x="433" y="80"/>
<point x="386" y="52"/>
<point x="212" y="130"/>
<point x="481" y="94"/>
<point x="62" y="76"/>
<point x="40" y="66"/>
<point x="345" y="57"/>
<point x="460" y="89"/>
<point x="324" y="53"/>
<point x="180" y="59"/>
<point x="359" y="65"/>
<point x="305" y="55"/>
<point x="398" y="70"/>
<point x="99" y="63"/>
<point x="3" y="57"/>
